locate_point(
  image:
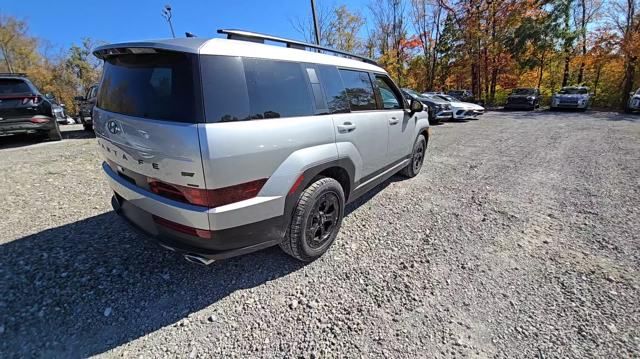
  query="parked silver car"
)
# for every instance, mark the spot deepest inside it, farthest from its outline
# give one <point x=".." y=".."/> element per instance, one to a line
<point x="222" y="147"/>
<point x="634" y="101"/>
<point x="574" y="97"/>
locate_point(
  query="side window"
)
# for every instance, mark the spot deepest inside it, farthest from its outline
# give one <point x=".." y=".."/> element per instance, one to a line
<point x="277" y="89"/>
<point x="359" y="90"/>
<point x="334" y="91"/>
<point x="391" y="99"/>
<point x="224" y="88"/>
<point x="238" y="89"/>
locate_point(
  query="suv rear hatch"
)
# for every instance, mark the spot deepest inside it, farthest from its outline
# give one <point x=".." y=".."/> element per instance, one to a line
<point x="18" y="101"/>
<point x="148" y="107"/>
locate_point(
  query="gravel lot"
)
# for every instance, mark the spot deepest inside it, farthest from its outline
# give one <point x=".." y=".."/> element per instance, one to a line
<point x="519" y="239"/>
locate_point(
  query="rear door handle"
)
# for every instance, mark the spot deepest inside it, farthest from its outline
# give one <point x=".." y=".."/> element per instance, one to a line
<point x="393" y="121"/>
<point x="346" y="127"/>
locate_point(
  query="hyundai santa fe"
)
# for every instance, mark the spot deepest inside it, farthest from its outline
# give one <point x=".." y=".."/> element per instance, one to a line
<point x="220" y="147"/>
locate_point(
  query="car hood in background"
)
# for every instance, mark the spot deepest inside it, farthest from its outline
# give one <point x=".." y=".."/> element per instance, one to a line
<point x="466" y="105"/>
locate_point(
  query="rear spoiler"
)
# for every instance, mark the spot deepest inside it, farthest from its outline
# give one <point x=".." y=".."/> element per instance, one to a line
<point x="188" y="45"/>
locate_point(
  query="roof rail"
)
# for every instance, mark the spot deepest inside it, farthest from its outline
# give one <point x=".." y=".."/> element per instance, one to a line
<point x="19" y="74"/>
<point x="260" y="38"/>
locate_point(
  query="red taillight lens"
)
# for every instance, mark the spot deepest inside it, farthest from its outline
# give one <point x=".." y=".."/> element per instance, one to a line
<point x="205" y="197"/>
<point x="33" y="100"/>
<point x="196" y="232"/>
<point x="39" y="119"/>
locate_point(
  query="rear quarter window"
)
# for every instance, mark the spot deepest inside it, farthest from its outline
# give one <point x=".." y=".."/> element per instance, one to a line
<point x="238" y="89"/>
<point x="162" y="86"/>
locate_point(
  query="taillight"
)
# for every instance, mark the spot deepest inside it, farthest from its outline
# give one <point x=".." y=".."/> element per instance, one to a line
<point x="40" y="119"/>
<point x="196" y="232"/>
<point x="207" y="197"/>
<point x="32" y="100"/>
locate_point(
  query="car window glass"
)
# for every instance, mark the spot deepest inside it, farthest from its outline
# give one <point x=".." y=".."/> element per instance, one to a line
<point x="277" y="89"/>
<point x="390" y="99"/>
<point x="11" y="86"/>
<point x="163" y="86"/>
<point x="238" y="89"/>
<point x="334" y="91"/>
<point x="359" y="90"/>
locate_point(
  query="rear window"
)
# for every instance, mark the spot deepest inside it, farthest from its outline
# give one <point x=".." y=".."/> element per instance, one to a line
<point x="239" y="89"/>
<point x="11" y="86"/>
<point x="162" y="86"/>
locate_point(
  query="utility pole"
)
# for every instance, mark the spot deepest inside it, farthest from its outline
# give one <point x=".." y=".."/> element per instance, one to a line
<point x="315" y="21"/>
<point x="166" y="13"/>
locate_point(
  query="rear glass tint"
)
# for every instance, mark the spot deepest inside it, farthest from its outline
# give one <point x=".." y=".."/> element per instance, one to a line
<point x="359" y="89"/>
<point x="162" y="86"/>
<point x="238" y="89"/>
<point x="12" y="86"/>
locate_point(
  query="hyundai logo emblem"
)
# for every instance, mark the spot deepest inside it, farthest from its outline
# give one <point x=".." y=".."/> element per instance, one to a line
<point x="113" y="127"/>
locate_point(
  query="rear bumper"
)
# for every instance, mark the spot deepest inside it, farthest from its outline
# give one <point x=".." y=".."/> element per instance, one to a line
<point x="252" y="232"/>
<point x="462" y="114"/>
<point x="24" y="125"/>
<point x="569" y="105"/>
<point x="223" y="244"/>
<point x="525" y="105"/>
<point x="444" y="115"/>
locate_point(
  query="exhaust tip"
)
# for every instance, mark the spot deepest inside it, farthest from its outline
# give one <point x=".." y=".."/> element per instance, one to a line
<point x="194" y="258"/>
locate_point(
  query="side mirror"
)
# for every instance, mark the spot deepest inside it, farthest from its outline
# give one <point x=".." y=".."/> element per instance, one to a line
<point x="79" y="98"/>
<point x="416" y="106"/>
<point x="48" y="96"/>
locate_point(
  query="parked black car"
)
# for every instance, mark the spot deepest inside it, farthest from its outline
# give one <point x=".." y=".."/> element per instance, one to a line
<point x="523" y="98"/>
<point x="24" y="110"/>
<point x="462" y="95"/>
<point x="438" y="110"/>
<point x="85" y="106"/>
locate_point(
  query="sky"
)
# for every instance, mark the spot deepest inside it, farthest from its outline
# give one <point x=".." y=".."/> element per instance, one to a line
<point x="64" y="22"/>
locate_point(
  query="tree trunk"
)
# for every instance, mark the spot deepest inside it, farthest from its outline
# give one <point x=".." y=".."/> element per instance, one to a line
<point x="583" y="33"/>
<point x="541" y="69"/>
<point x="627" y="85"/>
<point x="434" y="54"/>
<point x="597" y="80"/>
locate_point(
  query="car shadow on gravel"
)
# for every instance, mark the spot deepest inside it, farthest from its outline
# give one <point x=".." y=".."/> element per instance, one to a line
<point x="89" y="286"/>
<point x="93" y="285"/>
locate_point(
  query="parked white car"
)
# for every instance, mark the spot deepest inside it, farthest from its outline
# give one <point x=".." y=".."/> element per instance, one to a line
<point x="634" y="101"/>
<point x="461" y="110"/>
<point x="576" y="97"/>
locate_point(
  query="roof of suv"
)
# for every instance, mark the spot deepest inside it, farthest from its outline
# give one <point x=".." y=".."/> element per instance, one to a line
<point x="219" y="46"/>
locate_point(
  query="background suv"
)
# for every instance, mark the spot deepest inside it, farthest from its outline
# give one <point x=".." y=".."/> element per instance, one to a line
<point x="222" y="147"/>
<point x="24" y="110"/>
<point x="634" y="101"/>
<point x="438" y="109"/>
<point x="574" y="97"/>
<point x="85" y="107"/>
<point x="523" y="98"/>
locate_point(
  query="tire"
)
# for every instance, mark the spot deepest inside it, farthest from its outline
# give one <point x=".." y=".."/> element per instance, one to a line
<point x="417" y="158"/>
<point x="322" y="202"/>
<point x="87" y="126"/>
<point x="54" y="134"/>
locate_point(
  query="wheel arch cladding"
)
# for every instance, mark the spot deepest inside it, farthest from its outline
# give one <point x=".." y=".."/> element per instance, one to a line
<point x="341" y="175"/>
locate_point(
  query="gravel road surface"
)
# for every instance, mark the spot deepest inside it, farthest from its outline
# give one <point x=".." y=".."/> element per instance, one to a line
<point x="520" y="238"/>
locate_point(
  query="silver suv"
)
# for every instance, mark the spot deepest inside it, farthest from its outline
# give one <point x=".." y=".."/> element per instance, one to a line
<point x="222" y="147"/>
